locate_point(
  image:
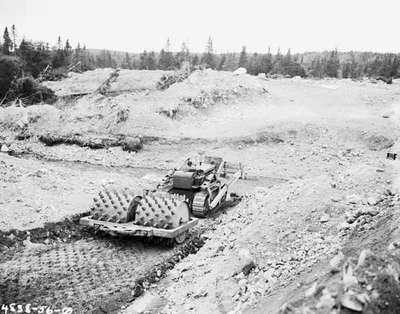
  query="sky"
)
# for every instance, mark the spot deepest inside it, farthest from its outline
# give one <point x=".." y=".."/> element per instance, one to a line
<point x="134" y="26"/>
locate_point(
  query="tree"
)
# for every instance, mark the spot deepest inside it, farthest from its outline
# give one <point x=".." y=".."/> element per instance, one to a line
<point x="182" y="56"/>
<point x="266" y="62"/>
<point x="166" y="59"/>
<point x="333" y="64"/>
<point x="317" y="67"/>
<point x="10" y="68"/>
<point x="195" y="61"/>
<point x="253" y="64"/>
<point x="288" y="57"/>
<point x="208" y="58"/>
<point x="127" y="63"/>
<point x="221" y="63"/>
<point x="231" y="62"/>
<point x="35" y="57"/>
<point x="151" y="62"/>
<point x="7" y="43"/>
<point x="143" y="60"/>
<point x="243" y="58"/>
<point x="68" y="46"/>
<point x="14" y="38"/>
<point x="59" y="43"/>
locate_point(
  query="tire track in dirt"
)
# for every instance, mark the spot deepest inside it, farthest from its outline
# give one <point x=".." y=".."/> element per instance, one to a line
<point x="82" y="274"/>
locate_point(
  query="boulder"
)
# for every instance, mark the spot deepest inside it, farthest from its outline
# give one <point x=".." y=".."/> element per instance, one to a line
<point x="240" y="71"/>
<point x="132" y="144"/>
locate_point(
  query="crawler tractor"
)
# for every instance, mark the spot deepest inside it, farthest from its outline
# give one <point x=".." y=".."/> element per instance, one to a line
<point x="195" y="189"/>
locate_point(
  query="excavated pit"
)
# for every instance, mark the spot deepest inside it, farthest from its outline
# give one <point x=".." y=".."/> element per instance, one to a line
<point x="64" y="264"/>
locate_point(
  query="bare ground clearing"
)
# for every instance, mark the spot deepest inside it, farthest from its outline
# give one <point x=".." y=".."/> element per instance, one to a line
<point x="318" y="186"/>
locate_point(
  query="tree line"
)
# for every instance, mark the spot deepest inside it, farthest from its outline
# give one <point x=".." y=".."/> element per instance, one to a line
<point x="33" y="57"/>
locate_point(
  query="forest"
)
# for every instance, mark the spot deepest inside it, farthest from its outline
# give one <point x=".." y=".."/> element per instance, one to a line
<point x="40" y="60"/>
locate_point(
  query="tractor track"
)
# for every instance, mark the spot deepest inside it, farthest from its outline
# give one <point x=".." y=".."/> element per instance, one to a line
<point x="93" y="275"/>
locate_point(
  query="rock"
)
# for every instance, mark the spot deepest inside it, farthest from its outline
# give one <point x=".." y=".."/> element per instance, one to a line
<point x="33" y="246"/>
<point x="363" y="256"/>
<point x="393" y="246"/>
<point x="388" y="191"/>
<point x="336" y="261"/>
<point x="132" y="144"/>
<point x="347" y="277"/>
<point x="353" y="199"/>
<point x="247" y="263"/>
<point x="4" y="148"/>
<point x="369" y="211"/>
<point x="350" y="302"/>
<point x="363" y="298"/>
<point x="324" y="218"/>
<point x="350" y="218"/>
<point x="312" y="290"/>
<point x="373" y="200"/>
<point x="262" y="76"/>
<point x="336" y="199"/>
<point x="326" y="301"/>
<point x="240" y="71"/>
<point x="248" y="268"/>
<point x="200" y="294"/>
<point x="268" y="275"/>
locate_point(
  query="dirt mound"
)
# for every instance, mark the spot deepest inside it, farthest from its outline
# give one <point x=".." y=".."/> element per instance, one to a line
<point x="88" y="82"/>
<point x="79" y="83"/>
<point x="135" y="111"/>
<point x="209" y="80"/>
<point x="16" y="118"/>
<point x="207" y="87"/>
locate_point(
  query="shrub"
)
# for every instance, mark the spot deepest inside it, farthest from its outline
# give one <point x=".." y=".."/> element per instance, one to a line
<point x="10" y="68"/>
<point x="31" y="92"/>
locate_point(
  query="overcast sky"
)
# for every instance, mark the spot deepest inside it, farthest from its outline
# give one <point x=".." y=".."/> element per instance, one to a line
<point x="130" y="25"/>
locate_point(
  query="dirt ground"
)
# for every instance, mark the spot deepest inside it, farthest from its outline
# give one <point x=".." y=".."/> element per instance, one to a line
<point x="319" y="192"/>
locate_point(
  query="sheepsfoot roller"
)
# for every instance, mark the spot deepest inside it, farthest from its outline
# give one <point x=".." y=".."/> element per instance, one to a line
<point x="195" y="189"/>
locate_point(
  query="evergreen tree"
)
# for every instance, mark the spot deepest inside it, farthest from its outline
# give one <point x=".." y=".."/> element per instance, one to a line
<point x="127" y="63"/>
<point x="10" y="69"/>
<point x="151" y="62"/>
<point x="208" y="58"/>
<point x="243" y="58"/>
<point x="68" y="46"/>
<point x="288" y="57"/>
<point x="221" y="63"/>
<point x="231" y="63"/>
<point x="14" y="38"/>
<point x="59" y="43"/>
<point x="35" y="57"/>
<point x="333" y="64"/>
<point x="195" y="61"/>
<point x="266" y="62"/>
<point x="318" y="67"/>
<point x="166" y="59"/>
<point x="143" y="60"/>
<point x="7" y="43"/>
<point x="182" y="56"/>
<point x="253" y="64"/>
